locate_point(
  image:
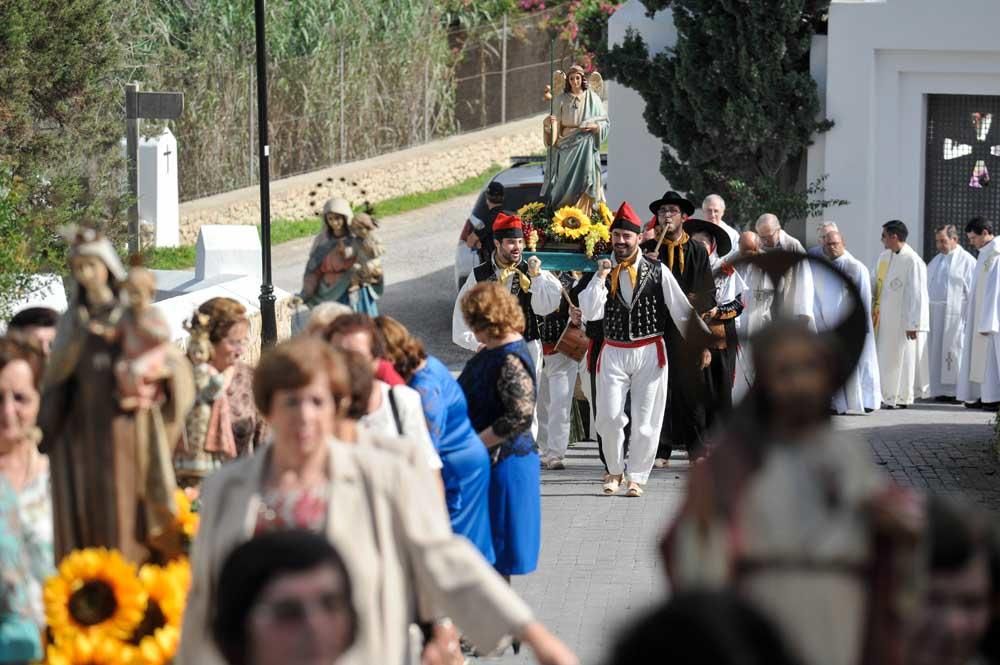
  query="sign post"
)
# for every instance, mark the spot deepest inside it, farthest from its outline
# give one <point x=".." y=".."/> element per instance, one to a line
<point x="139" y="105"/>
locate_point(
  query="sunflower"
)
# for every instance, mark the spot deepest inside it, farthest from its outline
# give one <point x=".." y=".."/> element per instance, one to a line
<point x="570" y="222"/>
<point x="95" y="594"/>
<point x="186" y="519"/>
<point x="155" y="640"/>
<point x="605" y="212"/>
<point x="84" y="650"/>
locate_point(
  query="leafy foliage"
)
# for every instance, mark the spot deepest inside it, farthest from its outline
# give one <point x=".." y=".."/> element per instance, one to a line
<point x="59" y="129"/>
<point x="733" y="99"/>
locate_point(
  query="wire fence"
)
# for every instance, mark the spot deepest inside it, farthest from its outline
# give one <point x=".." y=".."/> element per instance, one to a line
<point x="352" y="101"/>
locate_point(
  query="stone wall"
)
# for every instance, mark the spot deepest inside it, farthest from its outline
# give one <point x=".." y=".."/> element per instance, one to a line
<point x="424" y="168"/>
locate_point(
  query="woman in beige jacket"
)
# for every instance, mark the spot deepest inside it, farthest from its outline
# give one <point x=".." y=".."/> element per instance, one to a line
<point x="405" y="563"/>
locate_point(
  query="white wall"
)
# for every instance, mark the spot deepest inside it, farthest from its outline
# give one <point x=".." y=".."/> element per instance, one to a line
<point x="634" y="153"/>
<point x="883" y="59"/>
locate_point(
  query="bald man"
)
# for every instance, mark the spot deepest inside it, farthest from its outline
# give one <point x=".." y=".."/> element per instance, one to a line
<point x="796" y="288"/>
<point x="714" y="208"/>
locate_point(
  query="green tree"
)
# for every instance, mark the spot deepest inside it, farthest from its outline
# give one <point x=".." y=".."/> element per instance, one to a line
<point x="733" y="100"/>
<point x="59" y="131"/>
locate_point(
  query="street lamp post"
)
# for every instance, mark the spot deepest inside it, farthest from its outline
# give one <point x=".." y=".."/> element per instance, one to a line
<point x="269" y="323"/>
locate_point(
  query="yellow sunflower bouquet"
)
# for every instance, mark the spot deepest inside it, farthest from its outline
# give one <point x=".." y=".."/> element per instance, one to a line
<point x="101" y="610"/>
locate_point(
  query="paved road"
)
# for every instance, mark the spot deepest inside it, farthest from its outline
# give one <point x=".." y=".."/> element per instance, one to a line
<point x="598" y="565"/>
<point x="420" y="252"/>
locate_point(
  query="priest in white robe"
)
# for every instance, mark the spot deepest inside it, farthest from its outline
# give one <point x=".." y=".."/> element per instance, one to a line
<point x="796" y="288"/>
<point x="979" y="371"/>
<point x="901" y="316"/>
<point x="862" y="393"/>
<point x="949" y="279"/>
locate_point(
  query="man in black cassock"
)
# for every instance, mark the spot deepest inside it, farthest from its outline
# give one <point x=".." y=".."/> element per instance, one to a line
<point x="684" y="423"/>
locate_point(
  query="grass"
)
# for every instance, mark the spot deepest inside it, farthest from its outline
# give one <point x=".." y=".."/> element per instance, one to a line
<point x="284" y="230"/>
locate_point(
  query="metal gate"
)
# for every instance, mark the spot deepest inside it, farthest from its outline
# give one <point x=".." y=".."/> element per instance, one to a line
<point x="962" y="158"/>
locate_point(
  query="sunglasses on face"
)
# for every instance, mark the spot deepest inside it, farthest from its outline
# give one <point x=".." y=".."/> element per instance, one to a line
<point x="293" y="611"/>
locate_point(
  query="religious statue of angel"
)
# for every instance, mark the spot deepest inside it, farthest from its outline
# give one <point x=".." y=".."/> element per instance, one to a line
<point x="574" y="134"/>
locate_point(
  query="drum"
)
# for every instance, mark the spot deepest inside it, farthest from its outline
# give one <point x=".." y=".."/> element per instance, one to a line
<point x="573" y="343"/>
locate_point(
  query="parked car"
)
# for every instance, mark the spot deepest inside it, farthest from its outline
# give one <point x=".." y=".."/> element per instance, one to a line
<point x="522" y="184"/>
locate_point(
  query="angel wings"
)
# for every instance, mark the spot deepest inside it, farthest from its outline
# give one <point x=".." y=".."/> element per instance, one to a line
<point x="594" y="81"/>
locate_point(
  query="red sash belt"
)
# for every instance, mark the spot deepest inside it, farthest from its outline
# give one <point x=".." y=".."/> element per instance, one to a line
<point x="661" y="350"/>
<point x="549" y="349"/>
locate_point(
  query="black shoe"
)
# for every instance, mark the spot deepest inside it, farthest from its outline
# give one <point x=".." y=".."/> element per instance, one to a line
<point x="992" y="407"/>
<point x="973" y="405"/>
<point x="867" y="410"/>
<point x="887" y="407"/>
<point x="903" y="406"/>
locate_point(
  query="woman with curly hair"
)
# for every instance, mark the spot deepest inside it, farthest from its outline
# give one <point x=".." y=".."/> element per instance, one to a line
<point x="499" y="384"/>
<point x="466" y="462"/>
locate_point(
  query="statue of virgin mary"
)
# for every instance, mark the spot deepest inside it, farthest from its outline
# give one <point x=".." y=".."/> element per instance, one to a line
<point x="575" y="131"/>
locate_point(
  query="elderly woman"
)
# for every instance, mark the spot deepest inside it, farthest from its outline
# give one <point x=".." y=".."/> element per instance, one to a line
<point x="466" y="470"/>
<point x="228" y="331"/>
<point x="284" y="597"/>
<point x="25" y="504"/>
<point x="403" y="559"/>
<point x="499" y="384"/>
<point x="332" y="272"/>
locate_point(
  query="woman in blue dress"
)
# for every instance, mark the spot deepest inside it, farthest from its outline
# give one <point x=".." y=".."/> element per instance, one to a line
<point x="466" y="462"/>
<point x="499" y="384"/>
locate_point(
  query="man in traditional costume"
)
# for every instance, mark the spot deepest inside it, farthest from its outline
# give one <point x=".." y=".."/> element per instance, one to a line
<point x="686" y="418"/>
<point x="862" y="393"/>
<point x="949" y="283"/>
<point x="638" y="300"/>
<point x="557" y="382"/>
<point x="538" y="291"/>
<point x="819" y="250"/>
<point x="797" y="517"/>
<point x="721" y="319"/>
<point x="979" y="376"/>
<point x="901" y="316"/>
<point x="714" y="209"/>
<point x="112" y="477"/>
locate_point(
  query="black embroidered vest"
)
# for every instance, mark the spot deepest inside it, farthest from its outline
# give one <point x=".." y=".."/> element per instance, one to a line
<point x="551" y="327"/>
<point x="485" y="272"/>
<point x="646" y="316"/>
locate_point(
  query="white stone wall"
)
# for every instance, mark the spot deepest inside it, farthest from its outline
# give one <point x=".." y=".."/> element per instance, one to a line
<point x="883" y="59"/>
<point x="634" y="153"/>
<point x="429" y="167"/>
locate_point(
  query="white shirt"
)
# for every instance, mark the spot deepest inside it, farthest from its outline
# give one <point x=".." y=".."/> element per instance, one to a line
<point x="411" y="418"/>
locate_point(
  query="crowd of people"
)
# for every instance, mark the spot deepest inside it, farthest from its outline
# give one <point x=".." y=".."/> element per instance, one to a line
<point x="360" y="504"/>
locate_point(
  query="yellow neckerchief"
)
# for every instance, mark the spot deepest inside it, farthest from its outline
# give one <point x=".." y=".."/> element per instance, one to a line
<point x="629" y="265"/>
<point x="676" y="248"/>
<point x="508" y="271"/>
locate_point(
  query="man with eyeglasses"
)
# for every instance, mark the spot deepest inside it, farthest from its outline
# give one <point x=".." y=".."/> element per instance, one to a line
<point x="685" y="419"/>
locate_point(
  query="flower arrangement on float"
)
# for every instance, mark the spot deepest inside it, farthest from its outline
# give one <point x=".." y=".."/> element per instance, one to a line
<point x="103" y="610"/>
<point x="569" y="229"/>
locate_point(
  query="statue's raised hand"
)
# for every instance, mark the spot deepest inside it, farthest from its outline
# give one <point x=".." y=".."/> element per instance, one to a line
<point x="603" y="268"/>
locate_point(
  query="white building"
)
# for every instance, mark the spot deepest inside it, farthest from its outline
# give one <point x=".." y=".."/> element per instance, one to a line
<point x="913" y="87"/>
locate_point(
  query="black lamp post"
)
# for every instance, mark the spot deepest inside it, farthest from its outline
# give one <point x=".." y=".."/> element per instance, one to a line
<point x="269" y="323"/>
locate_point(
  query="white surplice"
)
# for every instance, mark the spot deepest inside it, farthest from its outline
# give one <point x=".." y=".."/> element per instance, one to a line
<point x="979" y="371"/>
<point x="949" y="280"/>
<point x="902" y="305"/>
<point x="796" y="292"/>
<point x="863" y="390"/>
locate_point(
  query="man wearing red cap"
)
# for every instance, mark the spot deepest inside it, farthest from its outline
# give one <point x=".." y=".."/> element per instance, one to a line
<point x="538" y="291"/>
<point x="639" y="300"/>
